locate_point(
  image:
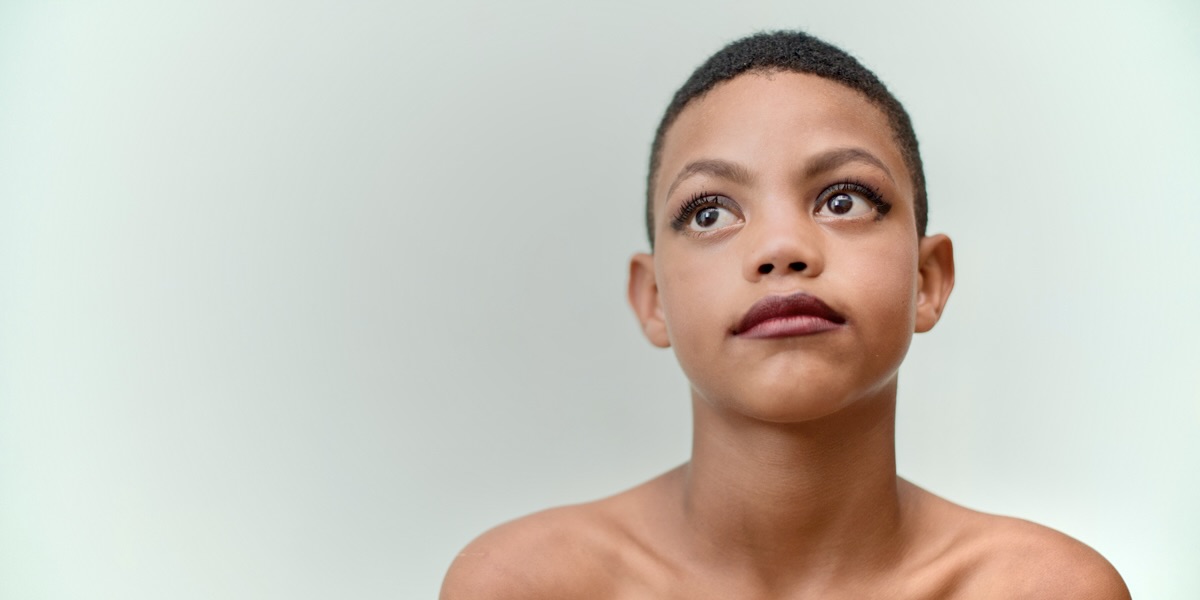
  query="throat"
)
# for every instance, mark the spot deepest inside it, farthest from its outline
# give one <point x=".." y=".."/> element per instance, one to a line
<point x="798" y="498"/>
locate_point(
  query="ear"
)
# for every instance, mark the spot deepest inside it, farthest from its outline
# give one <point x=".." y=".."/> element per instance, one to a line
<point x="935" y="270"/>
<point x="643" y="297"/>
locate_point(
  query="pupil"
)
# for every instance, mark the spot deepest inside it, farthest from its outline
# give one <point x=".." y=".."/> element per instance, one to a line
<point x="841" y="204"/>
<point x="707" y="217"/>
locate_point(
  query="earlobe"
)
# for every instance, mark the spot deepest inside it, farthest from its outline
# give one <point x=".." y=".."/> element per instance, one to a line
<point x="935" y="279"/>
<point x="643" y="298"/>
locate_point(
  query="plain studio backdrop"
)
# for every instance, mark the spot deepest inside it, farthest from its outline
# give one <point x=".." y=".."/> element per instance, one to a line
<point x="296" y="298"/>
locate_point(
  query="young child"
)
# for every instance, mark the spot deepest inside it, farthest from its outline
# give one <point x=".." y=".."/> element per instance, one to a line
<point x="786" y="212"/>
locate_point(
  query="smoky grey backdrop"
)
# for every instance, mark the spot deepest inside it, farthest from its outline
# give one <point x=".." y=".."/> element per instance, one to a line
<point x="296" y="298"/>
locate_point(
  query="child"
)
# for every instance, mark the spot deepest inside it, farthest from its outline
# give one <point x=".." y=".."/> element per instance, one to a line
<point x="786" y="212"/>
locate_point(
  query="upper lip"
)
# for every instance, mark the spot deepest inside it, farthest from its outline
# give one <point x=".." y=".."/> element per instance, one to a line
<point x="792" y="305"/>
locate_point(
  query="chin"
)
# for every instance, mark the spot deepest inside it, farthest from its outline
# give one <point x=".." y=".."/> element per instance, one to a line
<point x="784" y="405"/>
<point x="788" y="403"/>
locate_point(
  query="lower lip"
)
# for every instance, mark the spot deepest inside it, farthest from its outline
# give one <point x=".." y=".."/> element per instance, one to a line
<point x="789" y="327"/>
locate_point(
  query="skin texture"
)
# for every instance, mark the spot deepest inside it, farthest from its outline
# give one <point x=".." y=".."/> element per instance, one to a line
<point x="791" y="491"/>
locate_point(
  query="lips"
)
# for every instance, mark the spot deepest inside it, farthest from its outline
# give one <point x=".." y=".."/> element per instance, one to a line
<point x="786" y="316"/>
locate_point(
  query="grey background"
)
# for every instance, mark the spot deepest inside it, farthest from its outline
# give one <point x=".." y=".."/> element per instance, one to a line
<point x="296" y="298"/>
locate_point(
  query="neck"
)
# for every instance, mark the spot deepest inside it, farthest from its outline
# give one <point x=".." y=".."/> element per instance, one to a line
<point x="817" y="500"/>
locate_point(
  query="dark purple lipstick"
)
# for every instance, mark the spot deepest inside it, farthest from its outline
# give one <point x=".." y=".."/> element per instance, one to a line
<point x="786" y="316"/>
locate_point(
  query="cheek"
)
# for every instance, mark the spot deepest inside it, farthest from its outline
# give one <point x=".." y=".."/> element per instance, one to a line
<point x="685" y="292"/>
<point x="692" y="294"/>
<point x="887" y="284"/>
<point x="896" y="282"/>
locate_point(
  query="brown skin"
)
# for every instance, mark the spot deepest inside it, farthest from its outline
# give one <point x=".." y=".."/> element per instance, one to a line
<point x="792" y="490"/>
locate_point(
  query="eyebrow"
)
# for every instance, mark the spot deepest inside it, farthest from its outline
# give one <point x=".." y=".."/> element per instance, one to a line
<point x="822" y="163"/>
<point x="833" y="159"/>
<point x="715" y="167"/>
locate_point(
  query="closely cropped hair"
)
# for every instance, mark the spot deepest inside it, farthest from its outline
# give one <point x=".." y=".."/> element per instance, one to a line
<point x="797" y="52"/>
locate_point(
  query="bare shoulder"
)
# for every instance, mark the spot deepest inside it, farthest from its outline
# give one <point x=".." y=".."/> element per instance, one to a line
<point x="1003" y="557"/>
<point x="557" y="553"/>
<point x="609" y="548"/>
<point x="1039" y="562"/>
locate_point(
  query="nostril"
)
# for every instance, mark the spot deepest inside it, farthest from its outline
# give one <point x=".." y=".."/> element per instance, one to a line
<point x="797" y="266"/>
<point x="764" y="269"/>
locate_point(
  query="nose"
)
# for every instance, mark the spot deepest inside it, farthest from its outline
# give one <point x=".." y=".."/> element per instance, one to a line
<point x="783" y="245"/>
<point x="797" y="266"/>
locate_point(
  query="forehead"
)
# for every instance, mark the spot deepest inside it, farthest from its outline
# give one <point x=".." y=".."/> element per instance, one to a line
<point x="773" y="121"/>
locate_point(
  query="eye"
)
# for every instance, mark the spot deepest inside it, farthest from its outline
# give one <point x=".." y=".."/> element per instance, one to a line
<point x="712" y="217"/>
<point x="704" y="213"/>
<point x="843" y="204"/>
<point x="850" y="200"/>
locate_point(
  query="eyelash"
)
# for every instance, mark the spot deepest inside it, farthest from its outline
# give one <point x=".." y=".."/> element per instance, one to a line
<point x="867" y="191"/>
<point x="697" y="201"/>
<point x="703" y="199"/>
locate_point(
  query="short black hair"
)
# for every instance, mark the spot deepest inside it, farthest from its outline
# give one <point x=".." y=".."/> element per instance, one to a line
<point x="797" y="52"/>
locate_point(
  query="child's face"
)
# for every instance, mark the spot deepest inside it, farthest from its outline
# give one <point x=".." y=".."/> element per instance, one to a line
<point x="772" y="185"/>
